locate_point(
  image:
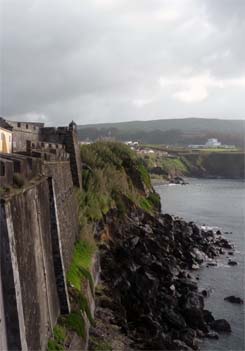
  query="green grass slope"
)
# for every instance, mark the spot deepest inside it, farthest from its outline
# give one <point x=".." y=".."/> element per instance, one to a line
<point x="182" y="124"/>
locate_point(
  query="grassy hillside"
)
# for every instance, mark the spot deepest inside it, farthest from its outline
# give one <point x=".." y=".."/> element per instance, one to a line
<point x="203" y="164"/>
<point x="217" y="164"/>
<point x="183" y="124"/>
<point x="169" y="131"/>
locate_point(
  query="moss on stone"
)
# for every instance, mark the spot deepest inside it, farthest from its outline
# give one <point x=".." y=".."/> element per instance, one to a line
<point x="145" y="177"/>
<point x="75" y="322"/>
<point x="98" y="344"/>
<point x="57" y="342"/>
<point x="81" y="263"/>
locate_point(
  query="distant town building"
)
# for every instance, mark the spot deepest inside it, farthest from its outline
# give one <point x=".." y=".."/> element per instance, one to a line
<point x="85" y="142"/>
<point x="212" y="143"/>
<point x="131" y="143"/>
<point x="5" y="136"/>
<point x="145" y="151"/>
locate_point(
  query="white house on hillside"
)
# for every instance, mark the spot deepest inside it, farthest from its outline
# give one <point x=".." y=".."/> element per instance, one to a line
<point x="213" y="143"/>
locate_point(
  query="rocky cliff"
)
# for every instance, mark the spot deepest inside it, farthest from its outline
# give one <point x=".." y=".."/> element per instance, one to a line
<point x="147" y="297"/>
<point x="229" y="165"/>
<point x="216" y="164"/>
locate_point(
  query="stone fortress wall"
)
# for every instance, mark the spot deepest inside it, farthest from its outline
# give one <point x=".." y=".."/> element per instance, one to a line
<point x="23" y="131"/>
<point x="38" y="229"/>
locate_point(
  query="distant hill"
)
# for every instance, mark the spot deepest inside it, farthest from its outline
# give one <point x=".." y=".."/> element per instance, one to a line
<point x="169" y="131"/>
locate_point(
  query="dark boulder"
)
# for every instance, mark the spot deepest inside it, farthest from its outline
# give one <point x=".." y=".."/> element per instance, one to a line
<point x="194" y="318"/>
<point x="174" y="319"/>
<point x="189" y="337"/>
<point x="221" y="242"/>
<point x="221" y="325"/>
<point x="148" y="325"/>
<point x="234" y="299"/>
<point x="212" y="264"/>
<point x="180" y="345"/>
<point x="212" y="335"/>
<point x="205" y="293"/>
<point x="185" y="283"/>
<point x="208" y="317"/>
<point x="193" y="300"/>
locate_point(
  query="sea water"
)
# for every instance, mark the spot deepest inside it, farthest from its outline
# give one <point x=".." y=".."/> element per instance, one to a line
<point x="216" y="203"/>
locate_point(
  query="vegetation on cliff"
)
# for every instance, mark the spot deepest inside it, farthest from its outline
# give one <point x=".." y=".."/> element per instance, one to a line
<point x="112" y="175"/>
<point x="205" y="163"/>
<point x="112" y="171"/>
<point x="146" y="298"/>
<point x="79" y="280"/>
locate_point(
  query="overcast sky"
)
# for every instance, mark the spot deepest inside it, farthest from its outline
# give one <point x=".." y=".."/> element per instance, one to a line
<point x="117" y="60"/>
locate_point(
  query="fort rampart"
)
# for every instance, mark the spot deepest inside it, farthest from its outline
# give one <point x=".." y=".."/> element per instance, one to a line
<point x="38" y="228"/>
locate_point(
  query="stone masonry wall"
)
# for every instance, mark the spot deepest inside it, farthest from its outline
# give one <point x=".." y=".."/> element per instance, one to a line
<point x="23" y="131"/>
<point x="38" y="229"/>
<point x="34" y="291"/>
<point x="68" y="137"/>
<point x="39" y="226"/>
<point x="66" y="205"/>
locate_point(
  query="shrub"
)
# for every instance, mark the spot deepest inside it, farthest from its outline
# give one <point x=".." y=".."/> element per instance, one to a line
<point x="112" y="170"/>
<point x="155" y="200"/>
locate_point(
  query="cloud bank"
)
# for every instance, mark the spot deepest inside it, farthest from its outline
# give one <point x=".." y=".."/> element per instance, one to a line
<point x="115" y="60"/>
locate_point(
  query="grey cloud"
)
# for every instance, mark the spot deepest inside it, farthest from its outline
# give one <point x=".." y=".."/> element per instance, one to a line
<point x="101" y="60"/>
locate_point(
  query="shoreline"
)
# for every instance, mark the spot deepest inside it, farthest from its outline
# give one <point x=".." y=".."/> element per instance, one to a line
<point x="167" y="298"/>
<point x="163" y="181"/>
<point x="206" y="199"/>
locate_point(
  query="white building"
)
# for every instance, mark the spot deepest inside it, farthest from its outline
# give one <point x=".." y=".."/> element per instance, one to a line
<point x="213" y="143"/>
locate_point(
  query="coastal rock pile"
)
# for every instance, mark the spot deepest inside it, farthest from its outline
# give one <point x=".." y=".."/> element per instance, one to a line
<point x="146" y="263"/>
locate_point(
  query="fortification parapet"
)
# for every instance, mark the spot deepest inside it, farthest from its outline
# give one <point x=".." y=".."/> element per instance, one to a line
<point x="47" y="151"/>
<point x="68" y="137"/>
<point x="26" y="166"/>
<point x="39" y="226"/>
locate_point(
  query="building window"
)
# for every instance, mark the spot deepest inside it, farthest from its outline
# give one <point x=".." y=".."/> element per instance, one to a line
<point x="27" y="126"/>
<point x="16" y="167"/>
<point x="29" y="160"/>
<point x="18" y="124"/>
<point x="2" y="169"/>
